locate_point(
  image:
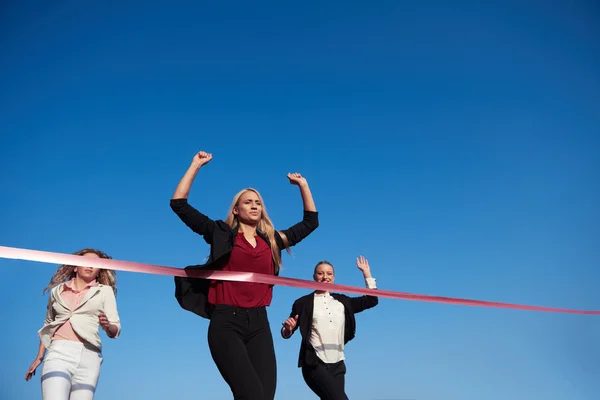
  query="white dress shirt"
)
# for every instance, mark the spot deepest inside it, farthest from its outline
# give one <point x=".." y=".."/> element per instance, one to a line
<point x="327" y="333"/>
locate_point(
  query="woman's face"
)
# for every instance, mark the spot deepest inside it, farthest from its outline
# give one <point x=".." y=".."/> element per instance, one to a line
<point x="324" y="273"/>
<point x="249" y="208"/>
<point x="86" y="273"/>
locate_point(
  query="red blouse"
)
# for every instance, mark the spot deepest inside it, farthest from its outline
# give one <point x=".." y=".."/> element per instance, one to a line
<point x="245" y="258"/>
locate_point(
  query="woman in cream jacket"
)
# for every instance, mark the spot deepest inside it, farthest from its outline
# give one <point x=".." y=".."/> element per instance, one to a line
<point x="81" y="299"/>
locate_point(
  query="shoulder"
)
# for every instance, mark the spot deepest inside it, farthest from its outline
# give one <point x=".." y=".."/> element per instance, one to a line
<point x="223" y="227"/>
<point x="341" y="297"/>
<point x="106" y="290"/>
<point x="52" y="295"/>
<point x="55" y="291"/>
<point x="303" y="299"/>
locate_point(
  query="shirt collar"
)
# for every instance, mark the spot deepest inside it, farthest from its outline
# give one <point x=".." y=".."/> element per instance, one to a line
<point x="69" y="285"/>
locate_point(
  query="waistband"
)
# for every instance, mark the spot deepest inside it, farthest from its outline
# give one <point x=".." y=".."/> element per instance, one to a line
<point x="73" y="345"/>
<point x="240" y="310"/>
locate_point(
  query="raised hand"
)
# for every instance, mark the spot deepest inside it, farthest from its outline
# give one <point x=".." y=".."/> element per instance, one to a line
<point x="363" y="264"/>
<point x="289" y="325"/>
<point x="201" y="158"/>
<point x="297" y="179"/>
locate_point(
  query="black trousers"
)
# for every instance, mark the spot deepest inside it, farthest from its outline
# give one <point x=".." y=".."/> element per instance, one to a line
<point x="241" y="345"/>
<point x="326" y="380"/>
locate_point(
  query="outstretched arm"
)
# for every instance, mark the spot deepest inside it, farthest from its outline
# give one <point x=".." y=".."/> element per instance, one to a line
<point x="182" y="190"/>
<point x="310" y="221"/>
<point x="307" y="198"/>
<point x="365" y="302"/>
<point x="193" y="218"/>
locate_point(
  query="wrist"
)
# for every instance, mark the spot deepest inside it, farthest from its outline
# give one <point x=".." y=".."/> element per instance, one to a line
<point x="371" y="283"/>
<point x="195" y="167"/>
<point x="367" y="275"/>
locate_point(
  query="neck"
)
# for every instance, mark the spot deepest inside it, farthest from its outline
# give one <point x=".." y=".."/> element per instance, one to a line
<point x="248" y="230"/>
<point x="79" y="283"/>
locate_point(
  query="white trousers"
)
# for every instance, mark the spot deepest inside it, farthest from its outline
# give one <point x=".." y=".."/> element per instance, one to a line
<point x="71" y="371"/>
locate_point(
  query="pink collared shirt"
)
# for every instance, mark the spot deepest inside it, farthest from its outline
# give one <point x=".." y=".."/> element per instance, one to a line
<point x="71" y="298"/>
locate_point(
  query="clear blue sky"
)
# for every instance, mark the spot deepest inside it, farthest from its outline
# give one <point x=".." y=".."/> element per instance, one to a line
<point x="455" y="145"/>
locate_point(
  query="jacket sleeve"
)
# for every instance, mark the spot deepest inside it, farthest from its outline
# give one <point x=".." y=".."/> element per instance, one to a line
<point x="110" y="308"/>
<point x="194" y="219"/>
<point x="362" y="303"/>
<point x="302" y="229"/>
<point x="49" y="311"/>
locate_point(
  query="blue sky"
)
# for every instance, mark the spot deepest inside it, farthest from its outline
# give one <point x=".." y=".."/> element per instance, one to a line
<point x="455" y="145"/>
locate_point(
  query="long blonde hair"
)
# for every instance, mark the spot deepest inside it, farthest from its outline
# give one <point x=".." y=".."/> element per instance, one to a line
<point x="67" y="272"/>
<point x="264" y="225"/>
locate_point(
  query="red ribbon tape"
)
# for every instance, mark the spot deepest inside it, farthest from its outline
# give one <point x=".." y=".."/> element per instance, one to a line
<point x="93" y="262"/>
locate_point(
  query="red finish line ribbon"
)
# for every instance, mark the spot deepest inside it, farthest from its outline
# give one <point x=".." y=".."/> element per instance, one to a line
<point x="93" y="262"/>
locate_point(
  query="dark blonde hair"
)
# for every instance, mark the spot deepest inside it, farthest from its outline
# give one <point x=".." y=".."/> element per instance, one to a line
<point x="67" y="272"/>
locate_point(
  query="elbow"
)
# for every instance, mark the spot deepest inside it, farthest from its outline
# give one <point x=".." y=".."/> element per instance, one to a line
<point x="316" y="220"/>
<point x="311" y="219"/>
<point x="177" y="203"/>
<point x="374" y="301"/>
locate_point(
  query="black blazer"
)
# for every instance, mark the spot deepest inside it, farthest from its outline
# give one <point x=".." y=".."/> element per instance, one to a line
<point x="303" y="308"/>
<point x="192" y="293"/>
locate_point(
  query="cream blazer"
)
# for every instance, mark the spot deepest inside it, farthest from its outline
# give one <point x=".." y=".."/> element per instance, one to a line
<point x="84" y="318"/>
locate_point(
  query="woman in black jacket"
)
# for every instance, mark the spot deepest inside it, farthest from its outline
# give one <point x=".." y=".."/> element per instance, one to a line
<point x="326" y="321"/>
<point x="239" y="335"/>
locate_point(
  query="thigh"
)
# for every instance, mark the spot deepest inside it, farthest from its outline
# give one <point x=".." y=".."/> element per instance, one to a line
<point x="320" y="380"/>
<point x="229" y="353"/>
<point x="339" y="378"/>
<point x="262" y="355"/>
<point x="85" y="378"/>
<point x="56" y="376"/>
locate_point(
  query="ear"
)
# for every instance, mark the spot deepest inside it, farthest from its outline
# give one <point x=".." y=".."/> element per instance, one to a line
<point x="235" y="210"/>
<point x="75" y="270"/>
